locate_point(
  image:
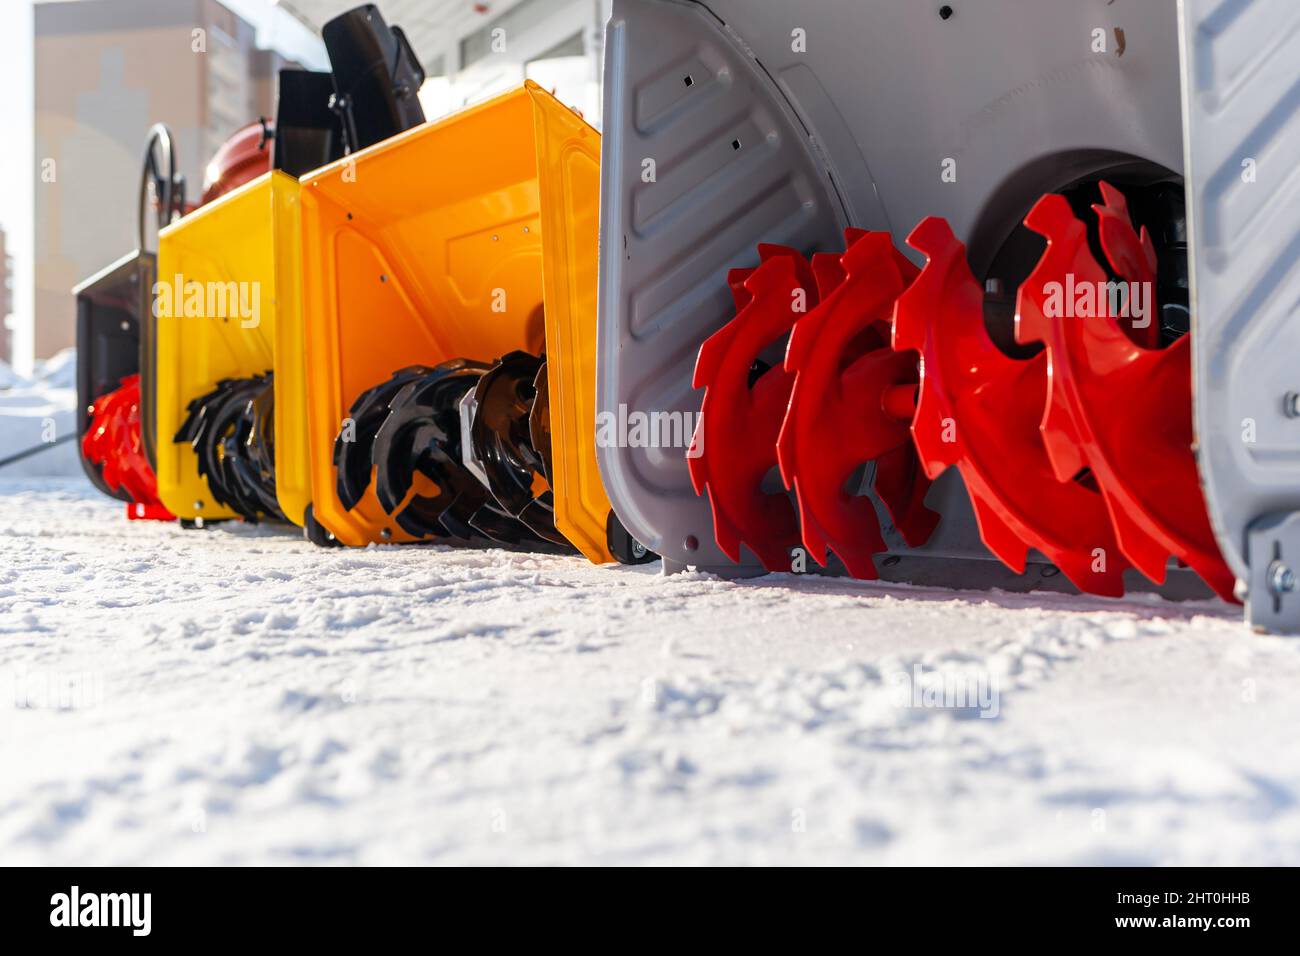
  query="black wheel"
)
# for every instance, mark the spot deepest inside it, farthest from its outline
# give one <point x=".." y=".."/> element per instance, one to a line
<point x="316" y="533"/>
<point x="627" y="549"/>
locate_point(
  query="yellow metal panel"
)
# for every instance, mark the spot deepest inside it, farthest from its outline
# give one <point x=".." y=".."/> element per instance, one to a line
<point x="568" y="168"/>
<point x="292" y="460"/>
<point x="215" y="302"/>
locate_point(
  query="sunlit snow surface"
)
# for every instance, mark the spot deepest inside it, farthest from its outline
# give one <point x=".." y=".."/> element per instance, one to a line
<point x="236" y="695"/>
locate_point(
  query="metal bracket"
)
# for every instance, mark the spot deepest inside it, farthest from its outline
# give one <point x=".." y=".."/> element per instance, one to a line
<point x="1273" y="552"/>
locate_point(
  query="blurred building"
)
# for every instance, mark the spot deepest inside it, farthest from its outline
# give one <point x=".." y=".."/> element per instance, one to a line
<point x="6" y="302"/>
<point x="105" y="71"/>
<point x="473" y="49"/>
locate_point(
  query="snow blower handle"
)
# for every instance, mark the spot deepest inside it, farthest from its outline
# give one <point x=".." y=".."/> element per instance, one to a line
<point x="168" y="183"/>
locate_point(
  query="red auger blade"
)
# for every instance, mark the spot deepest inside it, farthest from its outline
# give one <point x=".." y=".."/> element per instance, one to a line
<point x="1132" y="256"/>
<point x="113" y="441"/>
<point x="735" y="439"/>
<point x="1116" y="408"/>
<point x="845" y="409"/>
<point x="979" y="410"/>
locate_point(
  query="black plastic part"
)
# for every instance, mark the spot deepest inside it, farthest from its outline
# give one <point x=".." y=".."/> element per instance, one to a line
<point x="200" y="524"/>
<point x="502" y="440"/>
<point x="377" y="77"/>
<point x="110" y="346"/>
<point x="308" y="133"/>
<point x="422" y="424"/>
<point x="355" y="441"/>
<point x="624" y="547"/>
<point x="231" y="430"/>
<point x="317" y="533"/>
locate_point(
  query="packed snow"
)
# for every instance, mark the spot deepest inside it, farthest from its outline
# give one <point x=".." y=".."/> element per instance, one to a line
<point x="235" y="695"/>
<point x="35" y="413"/>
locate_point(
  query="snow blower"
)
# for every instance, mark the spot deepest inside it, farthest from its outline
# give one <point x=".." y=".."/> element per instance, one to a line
<point x="1089" y="391"/>
<point x="468" y="246"/>
<point x="116" y="326"/>
<point x="231" y="432"/>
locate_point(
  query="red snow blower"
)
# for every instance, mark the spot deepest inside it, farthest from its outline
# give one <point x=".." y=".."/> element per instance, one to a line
<point x="1093" y="390"/>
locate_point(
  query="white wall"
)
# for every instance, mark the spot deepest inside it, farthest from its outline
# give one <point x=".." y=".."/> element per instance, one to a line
<point x="575" y="80"/>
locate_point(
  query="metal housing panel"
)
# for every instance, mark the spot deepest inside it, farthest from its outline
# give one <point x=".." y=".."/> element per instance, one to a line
<point x="1241" y="97"/>
<point x="853" y="126"/>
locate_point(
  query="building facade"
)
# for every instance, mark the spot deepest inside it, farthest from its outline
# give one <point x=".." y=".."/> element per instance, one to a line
<point x="105" y="71"/>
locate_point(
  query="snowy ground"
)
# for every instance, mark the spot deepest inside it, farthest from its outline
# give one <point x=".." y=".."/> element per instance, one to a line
<point x="35" y="413"/>
<point x="237" y="696"/>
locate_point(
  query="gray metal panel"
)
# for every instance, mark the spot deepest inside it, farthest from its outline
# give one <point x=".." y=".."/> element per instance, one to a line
<point x="1273" y="549"/>
<point x="679" y="91"/>
<point x="1010" y="89"/>
<point x="1241" y="100"/>
<point x="854" y="130"/>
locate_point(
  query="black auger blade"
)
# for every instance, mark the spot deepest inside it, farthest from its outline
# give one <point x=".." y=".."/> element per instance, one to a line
<point x="539" y="421"/>
<point x="231" y="432"/>
<point x="352" y="446"/>
<point x="502" y="443"/>
<point x="421" y="418"/>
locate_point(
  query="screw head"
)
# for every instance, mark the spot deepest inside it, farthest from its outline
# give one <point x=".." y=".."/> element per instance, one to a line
<point x="1281" y="579"/>
<point x="1291" y="404"/>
